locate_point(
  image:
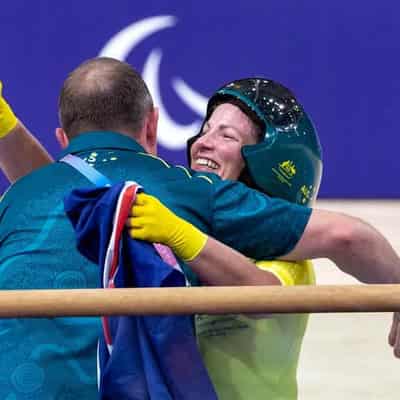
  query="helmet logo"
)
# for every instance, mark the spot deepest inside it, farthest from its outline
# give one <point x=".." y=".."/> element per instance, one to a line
<point x="288" y="168"/>
<point x="285" y="172"/>
<point x="305" y="194"/>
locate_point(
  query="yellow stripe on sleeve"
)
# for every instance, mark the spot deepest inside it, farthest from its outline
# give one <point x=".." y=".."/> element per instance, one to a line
<point x="290" y="273"/>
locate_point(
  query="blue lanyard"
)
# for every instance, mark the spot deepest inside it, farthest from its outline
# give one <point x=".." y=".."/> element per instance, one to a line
<point x="91" y="173"/>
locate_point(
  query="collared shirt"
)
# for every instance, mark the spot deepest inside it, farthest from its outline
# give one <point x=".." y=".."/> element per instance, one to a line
<point x="50" y="358"/>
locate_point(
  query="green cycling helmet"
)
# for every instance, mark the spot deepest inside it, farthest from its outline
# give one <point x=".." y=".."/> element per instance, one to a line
<point x="287" y="161"/>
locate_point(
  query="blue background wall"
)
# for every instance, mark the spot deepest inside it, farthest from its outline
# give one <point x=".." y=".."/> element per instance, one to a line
<point x="340" y="58"/>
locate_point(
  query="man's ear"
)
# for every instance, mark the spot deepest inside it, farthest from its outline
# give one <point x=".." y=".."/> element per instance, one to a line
<point x="62" y="138"/>
<point x="151" y="130"/>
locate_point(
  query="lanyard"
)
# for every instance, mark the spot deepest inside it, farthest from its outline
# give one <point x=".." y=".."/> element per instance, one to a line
<point x="100" y="180"/>
<point x="91" y="173"/>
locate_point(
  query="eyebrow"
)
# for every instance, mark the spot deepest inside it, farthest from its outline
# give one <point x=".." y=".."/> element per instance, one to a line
<point x="224" y="126"/>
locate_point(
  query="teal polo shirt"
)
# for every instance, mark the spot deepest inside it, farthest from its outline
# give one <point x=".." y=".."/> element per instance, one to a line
<point x="56" y="358"/>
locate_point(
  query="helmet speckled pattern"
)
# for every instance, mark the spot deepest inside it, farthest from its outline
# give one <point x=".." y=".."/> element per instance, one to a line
<point x="287" y="162"/>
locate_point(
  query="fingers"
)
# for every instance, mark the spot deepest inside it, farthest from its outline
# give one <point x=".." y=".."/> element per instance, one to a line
<point x="138" y="211"/>
<point x="131" y="222"/>
<point x="137" y="233"/>
<point x="141" y="199"/>
<point x="144" y="219"/>
<point x="394" y="335"/>
<point x="138" y="222"/>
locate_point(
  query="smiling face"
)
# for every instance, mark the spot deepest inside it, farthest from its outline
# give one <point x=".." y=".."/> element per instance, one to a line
<point x="218" y="149"/>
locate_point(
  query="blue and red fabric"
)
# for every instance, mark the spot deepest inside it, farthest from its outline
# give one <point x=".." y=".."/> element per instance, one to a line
<point x="154" y="357"/>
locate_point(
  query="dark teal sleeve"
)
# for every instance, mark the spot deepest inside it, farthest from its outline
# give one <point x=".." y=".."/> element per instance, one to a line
<point x="258" y="226"/>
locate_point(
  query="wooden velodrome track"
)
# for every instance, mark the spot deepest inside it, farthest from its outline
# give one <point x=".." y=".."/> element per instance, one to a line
<point x="346" y="356"/>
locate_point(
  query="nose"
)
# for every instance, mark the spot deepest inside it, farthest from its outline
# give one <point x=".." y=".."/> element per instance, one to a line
<point x="203" y="144"/>
<point x="205" y="141"/>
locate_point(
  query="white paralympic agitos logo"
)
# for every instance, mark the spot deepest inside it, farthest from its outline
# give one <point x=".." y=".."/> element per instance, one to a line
<point x="171" y="134"/>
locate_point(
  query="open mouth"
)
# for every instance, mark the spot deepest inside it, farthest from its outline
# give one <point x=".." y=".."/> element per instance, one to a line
<point x="205" y="163"/>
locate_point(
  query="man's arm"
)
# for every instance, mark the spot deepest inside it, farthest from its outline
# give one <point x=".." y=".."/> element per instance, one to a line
<point x="20" y="152"/>
<point x="353" y="245"/>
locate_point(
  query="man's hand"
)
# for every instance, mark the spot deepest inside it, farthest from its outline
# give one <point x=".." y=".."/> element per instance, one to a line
<point x="8" y="120"/>
<point x="150" y="220"/>
<point x="394" y="335"/>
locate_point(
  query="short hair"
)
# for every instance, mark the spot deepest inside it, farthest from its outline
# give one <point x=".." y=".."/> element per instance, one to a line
<point x="103" y="94"/>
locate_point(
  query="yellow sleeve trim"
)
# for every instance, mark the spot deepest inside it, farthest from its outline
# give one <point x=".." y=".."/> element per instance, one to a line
<point x="205" y="177"/>
<point x="3" y="195"/>
<point x="185" y="170"/>
<point x="196" y="176"/>
<point x="290" y="273"/>
<point x="155" y="157"/>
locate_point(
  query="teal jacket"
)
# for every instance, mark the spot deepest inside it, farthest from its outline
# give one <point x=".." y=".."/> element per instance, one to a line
<point x="51" y="358"/>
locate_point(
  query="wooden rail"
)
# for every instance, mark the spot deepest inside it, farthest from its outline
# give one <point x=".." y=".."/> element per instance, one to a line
<point x="199" y="300"/>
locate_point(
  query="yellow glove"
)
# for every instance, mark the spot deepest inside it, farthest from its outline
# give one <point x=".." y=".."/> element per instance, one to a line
<point x="7" y="118"/>
<point x="150" y="220"/>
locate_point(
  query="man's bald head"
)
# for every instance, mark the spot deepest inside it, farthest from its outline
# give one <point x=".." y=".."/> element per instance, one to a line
<point x="103" y="94"/>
